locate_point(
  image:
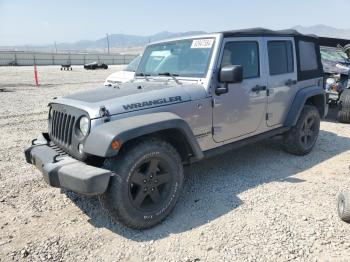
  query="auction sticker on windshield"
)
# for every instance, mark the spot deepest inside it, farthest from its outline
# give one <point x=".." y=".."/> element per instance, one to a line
<point x="202" y="43"/>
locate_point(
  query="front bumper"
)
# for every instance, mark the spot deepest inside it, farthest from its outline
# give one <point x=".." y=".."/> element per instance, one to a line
<point x="63" y="171"/>
<point x="332" y="96"/>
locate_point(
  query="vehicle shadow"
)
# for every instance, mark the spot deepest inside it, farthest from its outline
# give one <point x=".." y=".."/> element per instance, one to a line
<point x="212" y="186"/>
<point x="332" y="115"/>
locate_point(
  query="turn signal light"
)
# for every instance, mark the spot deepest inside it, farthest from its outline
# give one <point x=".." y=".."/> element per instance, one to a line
<point x="115" y="145"/>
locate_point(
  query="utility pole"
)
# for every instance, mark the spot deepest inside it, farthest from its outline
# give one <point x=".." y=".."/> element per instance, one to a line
<point x="107" y="42"/>
<point x="56" y="47"/>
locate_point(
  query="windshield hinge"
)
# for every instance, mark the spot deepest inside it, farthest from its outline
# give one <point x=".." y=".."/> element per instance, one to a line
<point x="105" y="113"/>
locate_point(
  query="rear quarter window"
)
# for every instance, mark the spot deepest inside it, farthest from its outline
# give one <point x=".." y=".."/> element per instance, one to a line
<point x="307" y="56"/>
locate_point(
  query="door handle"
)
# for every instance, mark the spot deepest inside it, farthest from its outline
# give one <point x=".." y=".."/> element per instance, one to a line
<point x="221" y="90"/>
<point x="258" y="88"/>
<point x="291" y="82"/>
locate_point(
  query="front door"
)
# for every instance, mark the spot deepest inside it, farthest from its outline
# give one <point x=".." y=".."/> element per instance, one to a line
<point x="282" y="78"/>
<point x="242" y="109"/>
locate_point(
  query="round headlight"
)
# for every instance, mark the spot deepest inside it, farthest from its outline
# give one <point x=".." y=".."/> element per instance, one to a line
<point x="330" y="81"/>
<point x="84" y="125"/>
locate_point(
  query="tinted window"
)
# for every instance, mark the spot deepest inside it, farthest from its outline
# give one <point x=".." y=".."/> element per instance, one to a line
<point x="245" y="54"/>
<point x="281" y="57"/>
<point x="308" y="57"/>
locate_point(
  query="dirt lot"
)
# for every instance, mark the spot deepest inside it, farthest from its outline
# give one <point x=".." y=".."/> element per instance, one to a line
<point x="254" y="204"/>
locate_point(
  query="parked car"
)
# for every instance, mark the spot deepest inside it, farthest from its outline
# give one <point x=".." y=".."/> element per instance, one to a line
<point x="336" y="65"/>
<point x="95" y="65"/>
<point x="192" y="98"/>
<point x="125" y="75"/>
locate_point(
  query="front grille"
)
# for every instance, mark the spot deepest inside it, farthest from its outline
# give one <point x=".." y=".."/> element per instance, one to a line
<point x="62" y="126"/>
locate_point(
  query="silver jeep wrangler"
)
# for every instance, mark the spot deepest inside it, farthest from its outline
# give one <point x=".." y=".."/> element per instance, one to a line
<point x="191" y="98"/>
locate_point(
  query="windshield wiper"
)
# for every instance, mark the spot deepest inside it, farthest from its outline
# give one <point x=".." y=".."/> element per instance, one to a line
<point x="173" y="76"/>
<point x="144" y="75"/>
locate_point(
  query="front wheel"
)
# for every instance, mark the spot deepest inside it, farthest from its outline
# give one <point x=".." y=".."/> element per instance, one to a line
<point x="146" y="185"/>
<point x="301" y="139"/>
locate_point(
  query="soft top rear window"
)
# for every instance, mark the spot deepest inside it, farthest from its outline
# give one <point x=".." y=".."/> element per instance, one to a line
<point x="309" y="58"/>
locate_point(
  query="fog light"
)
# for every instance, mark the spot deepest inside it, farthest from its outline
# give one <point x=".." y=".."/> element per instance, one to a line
<point x="81" y="148"/>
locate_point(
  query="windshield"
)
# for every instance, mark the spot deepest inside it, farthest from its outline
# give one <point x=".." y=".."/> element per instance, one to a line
<point x="187" y="58"/>
<point x="133" y="64"/>
<point x="334" y="54"/>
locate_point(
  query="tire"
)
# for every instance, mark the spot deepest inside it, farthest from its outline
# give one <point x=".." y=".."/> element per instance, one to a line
<point x="139" y="195"/>
<point x="344" y="206"/>
<point x="344" y="107"/>
<point x="301" y="139"/>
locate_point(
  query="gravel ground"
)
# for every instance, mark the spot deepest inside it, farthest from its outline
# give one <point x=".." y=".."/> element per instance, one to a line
<point x="257" y="203"/>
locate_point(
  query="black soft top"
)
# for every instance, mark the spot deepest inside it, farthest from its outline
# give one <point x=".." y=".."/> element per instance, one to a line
<point x="298" y="37"/>
<point x="334" y="42"/>
<point x="266" y="32"/>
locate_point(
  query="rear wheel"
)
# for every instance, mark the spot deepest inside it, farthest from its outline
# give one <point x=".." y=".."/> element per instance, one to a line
<point x="146" y="185"/>
<point x="344" y="107"/>
<point x="301" y="139"/>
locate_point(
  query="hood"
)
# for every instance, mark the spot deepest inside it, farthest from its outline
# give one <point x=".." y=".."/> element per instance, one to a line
<point x="333" y="67"/>
<point x="133" y="96"/>
<point x="121" y="76"/>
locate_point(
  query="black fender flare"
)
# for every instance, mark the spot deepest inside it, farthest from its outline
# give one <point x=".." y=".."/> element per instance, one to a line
<point x="300" y="100"/>
<point x="98" y="143"/>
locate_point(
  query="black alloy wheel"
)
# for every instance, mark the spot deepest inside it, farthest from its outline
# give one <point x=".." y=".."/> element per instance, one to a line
<point x="149" y="184"/>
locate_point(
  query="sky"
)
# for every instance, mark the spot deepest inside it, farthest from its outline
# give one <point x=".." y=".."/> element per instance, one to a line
<point x="35" y="22"/>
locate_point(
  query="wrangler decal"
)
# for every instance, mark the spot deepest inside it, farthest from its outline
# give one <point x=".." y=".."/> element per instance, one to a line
<point x="153" y="102"/>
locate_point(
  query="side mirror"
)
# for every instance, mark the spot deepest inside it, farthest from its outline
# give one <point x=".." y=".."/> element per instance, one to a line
<point x="231" y="74"/>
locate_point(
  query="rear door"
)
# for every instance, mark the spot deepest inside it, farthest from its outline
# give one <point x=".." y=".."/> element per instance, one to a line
<point x="282" y="77"/>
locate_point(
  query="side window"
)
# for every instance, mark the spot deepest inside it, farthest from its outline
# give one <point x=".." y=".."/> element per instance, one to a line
<point x="308" y="57"/>
<point x="245" y="54"/>
<point x="281" y="59"/>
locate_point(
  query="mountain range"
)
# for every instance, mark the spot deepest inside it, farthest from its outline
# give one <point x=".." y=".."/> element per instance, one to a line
<point x="118" y="42"/>
<point x="323" y="30"/>
<point x="121" y="40"/>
